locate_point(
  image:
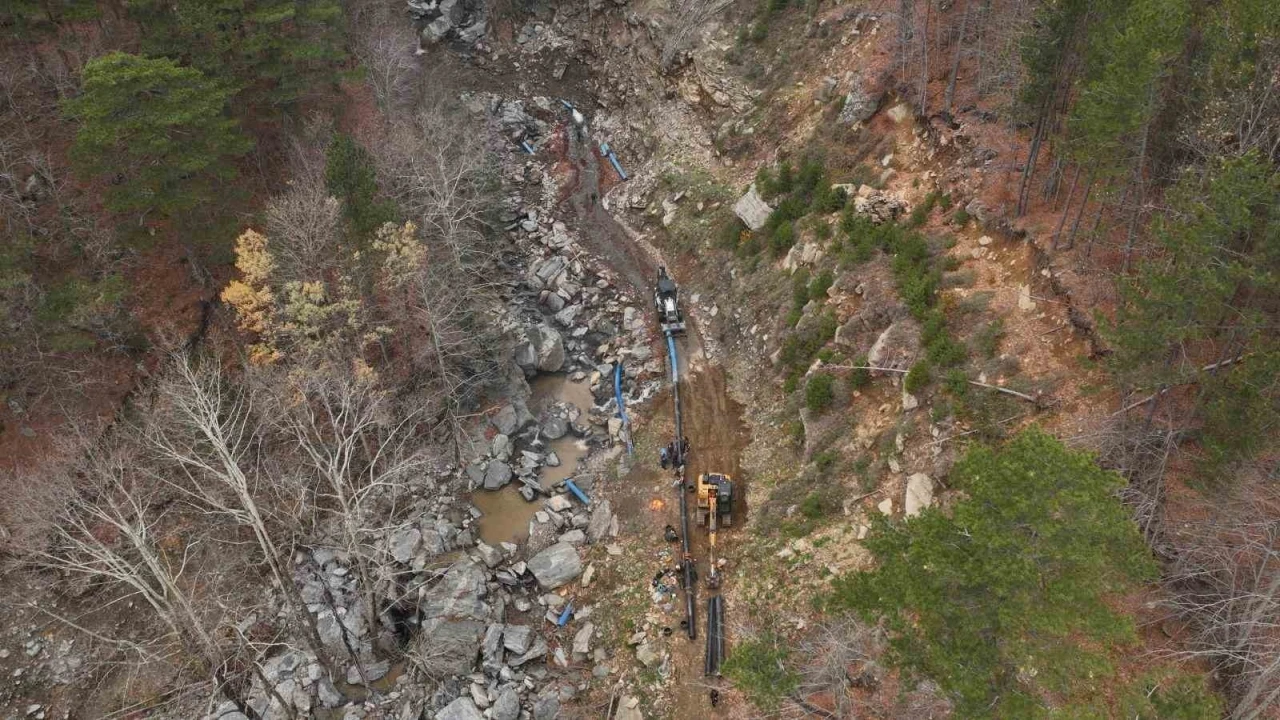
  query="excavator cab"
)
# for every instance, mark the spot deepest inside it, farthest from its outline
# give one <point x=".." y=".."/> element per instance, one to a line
<point x="666" y="298"/>
<point x="715" y="501"/>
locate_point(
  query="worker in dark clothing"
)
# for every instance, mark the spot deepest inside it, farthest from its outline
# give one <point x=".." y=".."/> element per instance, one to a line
<point x="664" y="457"/>
<point x="670" y="534"/>
<point x="715" y="697"/>
<point x="682" y="451"/>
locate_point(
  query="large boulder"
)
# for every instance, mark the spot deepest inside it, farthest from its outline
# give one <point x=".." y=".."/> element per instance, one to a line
<point x="601" y="519"/>
<point x="458" y="594"/>
<point x="404" y="544"/>
<point x="507" y="706"/>
<point x="497" y="475"/>
<point x="752" y="209"/>
<point x="861" y="102"/>
<point x="451" y="645"/>
<point x="464" y="708"/>
<point x="919" y="494"/>
<point x="556" y="565"/>
<point x="549" y="346"/>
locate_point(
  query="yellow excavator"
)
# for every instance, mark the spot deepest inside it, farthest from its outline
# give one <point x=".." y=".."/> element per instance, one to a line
<point x="715" y="509"/>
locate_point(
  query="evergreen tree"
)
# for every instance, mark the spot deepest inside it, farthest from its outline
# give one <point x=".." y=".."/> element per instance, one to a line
<point x="1208" y="298"/>
<point x="1001" y="601"/>
<point x="271" y="50"/>
<point x="160" y="131"/>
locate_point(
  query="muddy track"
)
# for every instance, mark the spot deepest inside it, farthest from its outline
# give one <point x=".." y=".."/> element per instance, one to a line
<point x="712" y="420"/>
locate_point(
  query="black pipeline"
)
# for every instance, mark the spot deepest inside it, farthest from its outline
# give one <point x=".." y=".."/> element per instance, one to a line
<point x="715" y="636"/>
<point x="688" y="571"/>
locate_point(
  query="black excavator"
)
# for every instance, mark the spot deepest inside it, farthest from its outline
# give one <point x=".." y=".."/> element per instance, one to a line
<point x="666" y="298"/>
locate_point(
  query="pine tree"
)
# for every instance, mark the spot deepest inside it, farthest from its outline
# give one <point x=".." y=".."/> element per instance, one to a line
<point x="1001" y="599"/>
<point x="272" y="51"/>
<point x="1207" y="299"/>
<point x="159" y="131"/>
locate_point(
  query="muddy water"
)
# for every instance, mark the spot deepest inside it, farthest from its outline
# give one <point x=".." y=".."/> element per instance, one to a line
<point x="506" y="513"/>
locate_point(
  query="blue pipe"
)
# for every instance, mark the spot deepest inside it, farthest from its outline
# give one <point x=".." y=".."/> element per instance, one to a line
<point x="527" y="148"/>
<point x="613" y="159"/>
<point x="622" y="406"/>
<point x="671" y="351"/>
<point x="564" y="616"/>
<point x="577" y="492"/>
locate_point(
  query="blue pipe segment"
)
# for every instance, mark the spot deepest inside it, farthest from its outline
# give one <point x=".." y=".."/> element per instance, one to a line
<point x="564" y="616"/>
<point x="622" y="406"/>
<point x="527" y="148"/>
<point x="671" y="352"/>
<point x="613" y="160"/>
<point x="577" y="492"/>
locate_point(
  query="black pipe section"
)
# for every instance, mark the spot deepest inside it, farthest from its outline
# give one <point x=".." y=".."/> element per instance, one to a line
<point x="687" y="568"/>
<point x="719" y="632"/>
<point x="715" y="636"/>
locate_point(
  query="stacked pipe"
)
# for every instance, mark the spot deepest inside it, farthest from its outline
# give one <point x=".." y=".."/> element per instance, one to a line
<point x="715" y="636"/>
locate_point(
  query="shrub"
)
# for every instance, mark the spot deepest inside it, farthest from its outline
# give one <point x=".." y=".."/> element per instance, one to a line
<point x="957" y="383"/>
<point x="859" y="379"/>
<point x="987" y="341"/>
<point x="800" y="287"/>
<point x="819" y="393"/>
<point x="961" y="218"/>
<point x="783" y="237"/>
<point x="918" y="377"/>
<point x="1015" y="575"/>
<point x="820" y="285"/>
<point x="758" y="668"/>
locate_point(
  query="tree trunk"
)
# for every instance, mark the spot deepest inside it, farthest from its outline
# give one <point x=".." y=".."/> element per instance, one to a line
<point x="1062" y="221"/>
<point x="950" y="96"/>
<point x="924" y="61"/>
<point x="1084" y="202"/>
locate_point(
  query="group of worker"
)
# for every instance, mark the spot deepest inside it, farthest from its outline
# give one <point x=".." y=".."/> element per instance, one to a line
<point x="674" y="454"/>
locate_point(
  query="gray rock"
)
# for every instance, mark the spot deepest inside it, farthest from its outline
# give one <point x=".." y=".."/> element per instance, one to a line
<point x="435" y="30"/>
<point x="574" y="538"/>
<point x="517" y="638"/>
<point x="601" y="518"/>
<point x="537" y="651"/>
<point x="501" y="446"/>
<point x="554" y="427"/>
<point x="646" y="655"/>
<point x="556" y="565"/>
<point x="458" y="593"/>
<point x="328" y="694"/>
<point x="919" y="494"/>
<point x="628" y="709"/>
<point x="452" y="644"/>
<point x="405" y="543"/>
<point x="506" y="420"/>
<point x="860" y="103"/>
<point x="526" y="356"/>
<point x="464" y="708"/>
<point x="489" y="555"/>
<point x="374" y="670"/>
<point x="546" y="708"/>
<point x="550" y="347"/>
<point x="507" y="706"/>
<point x="559" y="503"/>
<point x="497" y="475"/>
<point x="582" y="639"/>
<point x="752" y="209"/>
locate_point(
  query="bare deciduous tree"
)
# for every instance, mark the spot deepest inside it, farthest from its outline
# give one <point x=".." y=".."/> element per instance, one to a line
<point x="1226" y="582"/>
<point x="207" y="431"/>
<point x="110" y="532"/>
<point x="357" y="447"/>
<point x="386" y="46"/>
